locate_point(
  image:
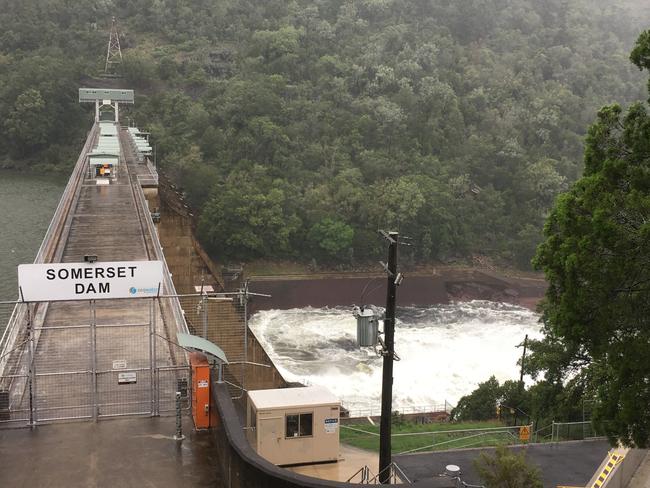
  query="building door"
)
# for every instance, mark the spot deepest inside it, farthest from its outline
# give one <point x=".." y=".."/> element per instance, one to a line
<point x="269" y="434"/>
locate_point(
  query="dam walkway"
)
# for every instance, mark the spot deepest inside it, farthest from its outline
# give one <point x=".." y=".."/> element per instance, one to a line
<point x="87" y="358"/>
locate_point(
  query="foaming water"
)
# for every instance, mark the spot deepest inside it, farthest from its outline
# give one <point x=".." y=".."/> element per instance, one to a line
<point x="445" y="350"/>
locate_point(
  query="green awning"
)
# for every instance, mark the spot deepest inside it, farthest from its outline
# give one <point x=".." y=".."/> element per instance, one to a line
<point x="196" y="343"/>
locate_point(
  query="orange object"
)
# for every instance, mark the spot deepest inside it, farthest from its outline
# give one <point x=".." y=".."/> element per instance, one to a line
<point x="200" y="390"/>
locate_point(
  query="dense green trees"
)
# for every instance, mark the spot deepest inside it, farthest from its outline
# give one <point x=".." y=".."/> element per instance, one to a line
<point x="455" y="122"/>
<point x="481" y="404"/>
<point x="491" y="400"/>
<point x="595" y="256"/>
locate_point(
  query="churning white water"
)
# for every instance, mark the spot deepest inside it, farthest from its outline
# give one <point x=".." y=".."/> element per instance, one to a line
<point x="445" y="350"/>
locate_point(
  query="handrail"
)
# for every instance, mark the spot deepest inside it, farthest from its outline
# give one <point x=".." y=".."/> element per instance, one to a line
<point x="148" y="180"/>
<point x="365" y="474"/>
<point x="394" y="471"/>
<point x="480" y="434"/>
<point x="168" y="287"/>
<point x="408" y="410"/>
<point x="436" y="432"/>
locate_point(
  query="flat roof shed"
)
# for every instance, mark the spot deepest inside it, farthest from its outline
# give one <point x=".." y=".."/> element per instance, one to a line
<point x="294" y="425"/>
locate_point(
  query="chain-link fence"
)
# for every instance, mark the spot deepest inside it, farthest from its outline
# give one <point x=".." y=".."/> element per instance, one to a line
<point x="106" y="358"/>
<point x="222" y="320"/>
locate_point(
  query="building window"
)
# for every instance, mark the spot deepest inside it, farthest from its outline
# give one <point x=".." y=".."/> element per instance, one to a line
<point x="299" y="425"/>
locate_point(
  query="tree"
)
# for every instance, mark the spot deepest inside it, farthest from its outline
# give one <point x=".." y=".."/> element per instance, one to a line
<point x="596" y="257"/>
<point x="331" y="237"/>
<point x="249" y="213"/>
<point x="138" y="67"/>
<point x="507" y="469"/>
<point x="481" y="404"/>
<point x="27" y="124"/>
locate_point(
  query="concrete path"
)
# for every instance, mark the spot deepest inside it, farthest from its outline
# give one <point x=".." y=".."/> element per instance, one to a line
<point x="136" y="452"/>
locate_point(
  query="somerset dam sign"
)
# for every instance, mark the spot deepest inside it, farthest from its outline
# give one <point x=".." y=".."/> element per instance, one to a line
<point x="83" y="281"/>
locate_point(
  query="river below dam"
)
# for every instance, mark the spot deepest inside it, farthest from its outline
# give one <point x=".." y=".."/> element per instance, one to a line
<point x="445" y="350"/>
<point x="27" y="204"/>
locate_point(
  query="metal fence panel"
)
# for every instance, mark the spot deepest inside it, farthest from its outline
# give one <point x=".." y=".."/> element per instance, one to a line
<point x="123" y="364"/>
<point x="172" y="371"/>
<point x="222" y="319"/>
<point x="63" y="396"/>
<point x="90" y="359"/>
<point x="62" y="380"/>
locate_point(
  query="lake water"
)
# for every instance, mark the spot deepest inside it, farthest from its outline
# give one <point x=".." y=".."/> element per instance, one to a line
<point x="27" y="204"/>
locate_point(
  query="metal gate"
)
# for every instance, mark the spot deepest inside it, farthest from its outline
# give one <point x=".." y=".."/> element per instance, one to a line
<point x="88" y="360"/>
<point x="91" y="359"/>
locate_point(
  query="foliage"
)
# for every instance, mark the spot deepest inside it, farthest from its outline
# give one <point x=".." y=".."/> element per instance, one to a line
<point x="456" y="123"/>
<point x="331" y="238"/>
<point x="491" y="400"/>
<point x="481" y="404"/>
<point x="248" y="213"/>
<point x="139" y="68"/>
<point x="595" y="257"/>
<point x="507" y="469"/>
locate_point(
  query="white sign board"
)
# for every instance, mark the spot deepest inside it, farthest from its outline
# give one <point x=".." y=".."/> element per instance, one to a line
<point x="84" y="281"/>
<point x="127" y="378"/>
<point x="331" y="425"/>
<point x="119" y="364"/>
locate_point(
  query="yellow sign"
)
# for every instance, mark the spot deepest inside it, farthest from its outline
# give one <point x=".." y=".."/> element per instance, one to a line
<point x="524" y="433"/>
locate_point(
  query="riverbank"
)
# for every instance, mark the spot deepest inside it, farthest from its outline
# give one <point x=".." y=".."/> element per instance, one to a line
<point x="439" y="285"/>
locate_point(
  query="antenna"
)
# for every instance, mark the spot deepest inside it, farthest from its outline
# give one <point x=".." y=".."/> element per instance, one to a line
<point x="114" y="53"/>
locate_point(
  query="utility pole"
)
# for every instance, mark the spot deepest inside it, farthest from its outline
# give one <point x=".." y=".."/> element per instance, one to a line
<point x="389" y="354"/>
<point x="521" y="374"/>
<point x="114" y="53"/>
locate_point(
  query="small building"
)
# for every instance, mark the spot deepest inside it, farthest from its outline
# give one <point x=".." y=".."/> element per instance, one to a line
<point x="105" y="156"/>
<point x="290" y="426"/>
<point x="102" y="164"/>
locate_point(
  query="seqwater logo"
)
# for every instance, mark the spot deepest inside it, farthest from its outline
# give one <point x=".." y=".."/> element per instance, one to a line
<point x="147" y="291"/>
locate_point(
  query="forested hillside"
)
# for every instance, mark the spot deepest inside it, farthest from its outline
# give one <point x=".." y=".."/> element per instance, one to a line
<point x="299" y="128"/>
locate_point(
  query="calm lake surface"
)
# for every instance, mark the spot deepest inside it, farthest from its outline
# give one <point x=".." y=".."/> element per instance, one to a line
<point x="27" y="204"/>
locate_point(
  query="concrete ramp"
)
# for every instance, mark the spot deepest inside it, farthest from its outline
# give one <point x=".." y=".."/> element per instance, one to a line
<point x="618" y="468"/>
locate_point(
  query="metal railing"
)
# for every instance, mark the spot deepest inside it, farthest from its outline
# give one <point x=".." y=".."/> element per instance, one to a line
<point x="148" y="180"/>
<point x="365" y="477"/>
<point x="375" y="411"/>
<point x="449" y="439"/>
<point x="395" y="475"/>
<point x="168" y="287"/>
<point x="568" y="431"/>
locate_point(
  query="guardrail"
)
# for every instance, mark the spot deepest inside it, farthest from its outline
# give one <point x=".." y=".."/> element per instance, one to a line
<point x="168" y="287"/>
<point x="449" y="438"/>
<point x="47" y="251"/>
<point x="148" y="180"/>
<point x="408" y="410"/>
